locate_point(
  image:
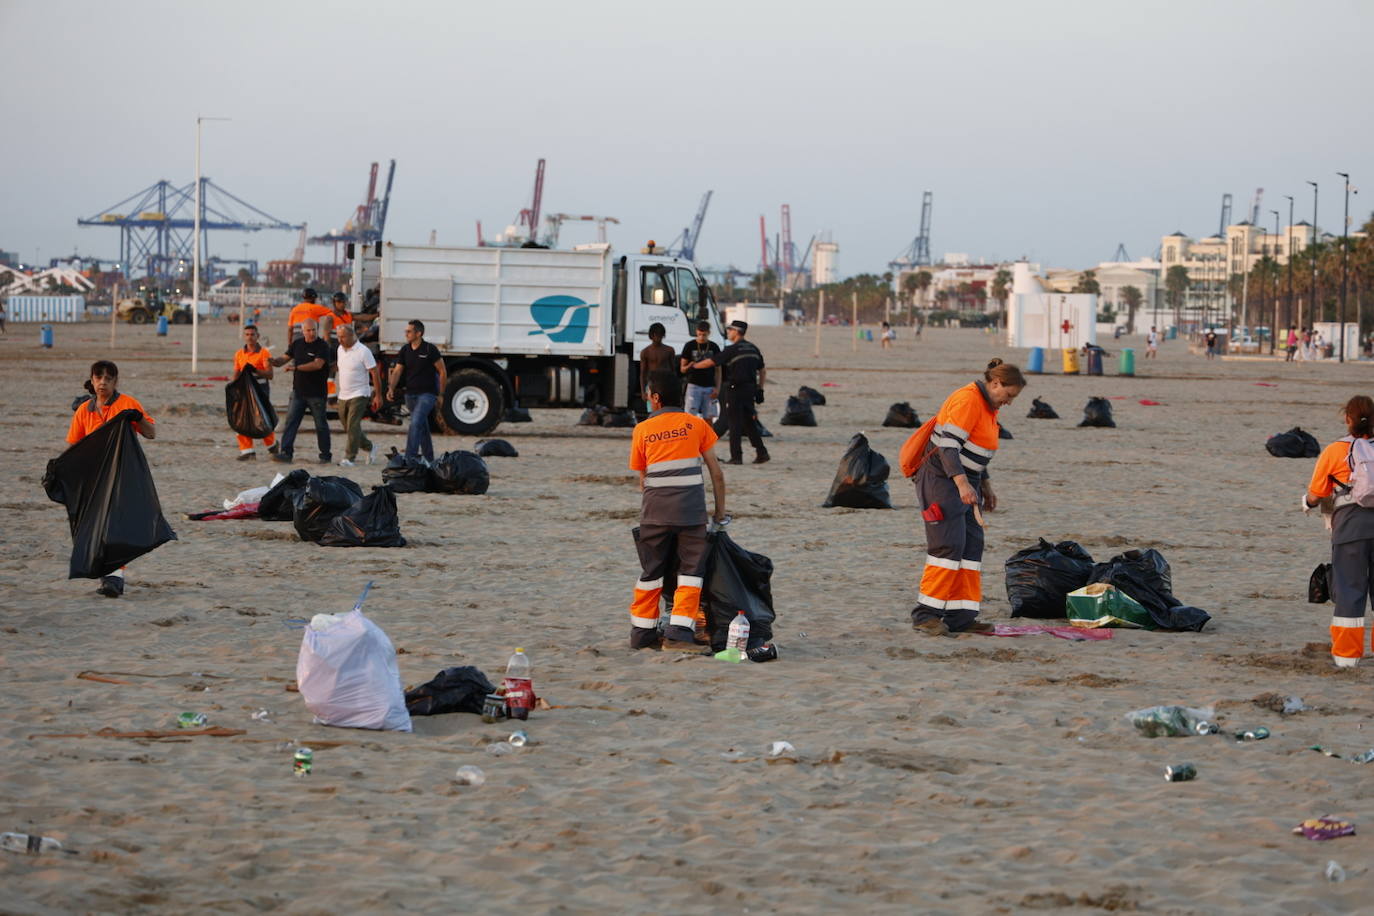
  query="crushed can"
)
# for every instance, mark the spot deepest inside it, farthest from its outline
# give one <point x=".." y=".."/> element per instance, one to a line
<point x="519" y="695"/>
<point x="302" y="761"/>
<point x="1206" y="728"/>
<point x="493" y="707"/>
<point x="1180" y="772"/>
<point x="192" y="720"/>
<point x="1253" y="734"/>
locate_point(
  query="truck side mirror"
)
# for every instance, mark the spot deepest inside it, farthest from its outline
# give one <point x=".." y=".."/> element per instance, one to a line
<point x="349" y="251"/>
<point x="658" y="296"/>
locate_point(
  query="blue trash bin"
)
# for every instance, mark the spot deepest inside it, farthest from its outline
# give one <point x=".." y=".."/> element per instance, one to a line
<point x="45" y="335"/>
<point x="1173" y="333"/>
<point x="1036" y="364"/>
<point x="1094" y="361"/>
<point x="161" y="325"/>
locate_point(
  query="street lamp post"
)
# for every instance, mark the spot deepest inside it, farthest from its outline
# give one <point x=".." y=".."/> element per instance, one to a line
<point x="1312" y="294"/>
<point x="1273" y="337"/>
<point x="1288" y="249"/>
<point x="1345" y="257"/>
<point x="195" y="262"/>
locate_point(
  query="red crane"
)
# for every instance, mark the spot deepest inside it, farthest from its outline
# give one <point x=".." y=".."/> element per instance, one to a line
<point x="763" y="245"/>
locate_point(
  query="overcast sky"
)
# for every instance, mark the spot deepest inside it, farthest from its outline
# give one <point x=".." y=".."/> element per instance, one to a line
<point x="1051" y="130"/>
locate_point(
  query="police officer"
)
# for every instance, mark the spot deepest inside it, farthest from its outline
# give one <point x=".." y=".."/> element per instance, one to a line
<point x="744" y="375"/>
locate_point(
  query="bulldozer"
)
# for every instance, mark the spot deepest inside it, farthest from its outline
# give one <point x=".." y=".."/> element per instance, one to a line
<point x="140" y="310"/>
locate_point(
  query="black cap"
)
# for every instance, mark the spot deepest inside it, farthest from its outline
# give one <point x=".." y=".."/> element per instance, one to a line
<point x="741" y="326"/>
<point x="340" y="297"/>
<point x="309" y="295"/>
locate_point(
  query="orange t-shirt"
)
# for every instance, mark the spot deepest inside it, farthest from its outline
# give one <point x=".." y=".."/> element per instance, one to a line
<point x="89" y="417"/>
<point x="1334" y="461"/>
<point x="668" y="448"/>
<point x="306" y="310"/>
<point x="345" y="318"/>
<point x="258" y="360"/>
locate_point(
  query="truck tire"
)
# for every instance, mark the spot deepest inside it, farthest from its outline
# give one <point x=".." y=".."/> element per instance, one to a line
<point x="473" y="403"/>
<point x="181" y="317"/>
<point x="139" y="316"/>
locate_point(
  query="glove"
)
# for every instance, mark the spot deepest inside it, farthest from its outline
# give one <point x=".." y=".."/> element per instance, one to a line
<point x="758" y="395"/>
<point x="132" y="415"/>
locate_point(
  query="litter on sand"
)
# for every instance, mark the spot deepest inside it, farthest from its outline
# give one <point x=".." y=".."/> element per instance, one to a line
<point x="1073" y="634"/>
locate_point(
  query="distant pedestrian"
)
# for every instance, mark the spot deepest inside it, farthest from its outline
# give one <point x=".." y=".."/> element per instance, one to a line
<point x="668" y="451"/>
<point x="360" y="384"/>
<point x="1211" y="340"/>
<point x="254" y="354"/>
<point x="1152" y="343"/>
<point x="1318" y="346"/>
<point x="1304" y="345"/>
<point x="1292" y="343"/>
<point x="703" y="385"/>
<point x="744" y="375"/>
<point x="657" y="355"/>
<point x="308" y="357"/>
<point x="104" y="404"/>
<point x="419" y="368"/>
<point x="308" y="307"/>
<point x="888" y="336"/>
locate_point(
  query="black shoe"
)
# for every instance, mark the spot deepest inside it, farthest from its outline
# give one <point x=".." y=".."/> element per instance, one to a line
<point x="284" y="459"/>
<point x="645" y="638"/>
<point x="111" y="586"/>
<point x="762" y="458"/>
<point x="248" y="456"/>
<point x="326" y="460"/>
<point x="272" y="449"/>
<point x="734" y="461"/>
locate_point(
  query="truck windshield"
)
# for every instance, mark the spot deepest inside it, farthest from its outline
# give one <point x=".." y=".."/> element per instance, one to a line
<point x="654" y="287"/>
<point x="689" y="296"/>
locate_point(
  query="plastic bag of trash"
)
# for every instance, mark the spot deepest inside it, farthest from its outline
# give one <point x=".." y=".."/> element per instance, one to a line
<point x="251" y="495"/>
<point x="902" y="416"/>
<point x="618" y="419"/>
<point x="407" y="475"/>
<point x="1296" y="443"/>
<point x="112" y="505"/>
<point x="798" y="413"/>
<point x="1103" y="605"/>
<point x="248" y="407"/>
<point x="1040" y="578"/>
<point x="319" y="502"/>
<point x="861" y="481"/>
<point x="1173" y="721"/>
<point x="347" y="674"/>
<point x="370" y="522"/>
<point x="1040" y="410"/>
<point x="1145" y="576"/>
<point x="1319" y="584"/>
<point x="591" y="416"/>
<point x="1098" y="412"/>
<point x="451" y="690"/>
<point x="496" y="448"/>
<point x="461" y="472"/>
<point x="279" y="503"/>
<point x="811" y="395"/>
<point x="737" y="580"/>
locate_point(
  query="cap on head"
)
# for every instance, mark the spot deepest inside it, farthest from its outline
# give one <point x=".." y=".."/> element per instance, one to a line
<point x="309" y="295"/>
<point x="340" y="297"/>
<point x="741" y="326"/>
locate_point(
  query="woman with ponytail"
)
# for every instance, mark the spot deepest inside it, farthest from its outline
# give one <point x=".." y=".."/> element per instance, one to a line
<point x="1339" y="490"/>
<point x="951" y="484"/>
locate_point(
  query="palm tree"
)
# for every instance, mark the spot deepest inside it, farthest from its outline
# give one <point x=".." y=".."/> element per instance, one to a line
<point x="1087" y="283"/>
<point x="1001" y="286"/>
<point x="923" y="280"/>
<point x="1132" y="296"/>
<point x="1176" y="283"/>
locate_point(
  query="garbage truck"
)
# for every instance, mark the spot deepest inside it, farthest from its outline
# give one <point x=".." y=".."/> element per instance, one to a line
<point x="532" y="327"/>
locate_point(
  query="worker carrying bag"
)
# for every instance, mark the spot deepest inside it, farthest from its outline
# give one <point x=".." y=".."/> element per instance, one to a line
<point x="248" y="407"/>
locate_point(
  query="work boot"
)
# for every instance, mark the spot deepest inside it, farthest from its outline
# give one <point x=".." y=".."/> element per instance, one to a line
<point x="682" y="639"/>
<point x="932" y="627"/>
<point x="282" y="458"/>
<point x="734" y="461"/>
<point x="111" y="586"/>
<point x="762" y="458"/>
<point x="979" y="626"/>
<point x="645" y="638"/>
<point x="248" y="456"/>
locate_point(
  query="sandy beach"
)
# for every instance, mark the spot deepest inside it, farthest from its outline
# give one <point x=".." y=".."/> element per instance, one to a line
<point x="974" y="774"/>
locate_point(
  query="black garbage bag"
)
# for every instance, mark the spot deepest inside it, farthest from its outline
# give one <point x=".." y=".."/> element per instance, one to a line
<point x="79" y="400"/>
<point x="112" y="505"/>
<point x="1098" y="412"/>
<point x="322" y="500"/>
<point x="1040" y="578"/>
<point x="811" y="395"/>
<point x="496" y="448"/>
<point x="516" y="415"/>
<point x="737" y="580"/>
<point x="1040" y="410"/>
<point x="618" y="419"/>
<point x="1319" y="585"/>
<point x="902" y="416"/>
<point x="798" y="412"/>
<point x="1296" y="443"/>
<point x="1145" y="576"/>
<point x="460" y="472"/>
<point x="451" y="690"/>
<point x="407" y="475"/>
<point x="591" y="416"/>
<point x="370" y="522"/>
<point x="248" y="407"/>
<point x="861" y="481"/>
<point x="279" y="503"/>
<point x="1003" y="432"/>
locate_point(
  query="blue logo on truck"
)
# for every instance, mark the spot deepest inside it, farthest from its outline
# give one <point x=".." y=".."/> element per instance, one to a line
<point x="563" y="318"/>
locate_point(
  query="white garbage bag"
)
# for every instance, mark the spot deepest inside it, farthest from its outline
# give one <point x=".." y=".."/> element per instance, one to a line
<point x="347" y="674"/>
<point x="252" y="495"/>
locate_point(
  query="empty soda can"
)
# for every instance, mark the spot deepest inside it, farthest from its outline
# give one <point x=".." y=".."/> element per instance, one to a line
<point x="1206" y="728"/>
<point x="519" y="738"/>
<point x="303" y="761"/>
<point x="493" y="707"/>
<point x="1253" y="734"/>
<point x="191" y="720"/>
<point x="764" y="653"/>
<point x="1180" y="772"/>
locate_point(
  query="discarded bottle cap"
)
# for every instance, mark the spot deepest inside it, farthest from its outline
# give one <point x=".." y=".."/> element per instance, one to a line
<point x="469" y="776"/>
<point x="1180" y="772"/>
<point x="519" y="738"/>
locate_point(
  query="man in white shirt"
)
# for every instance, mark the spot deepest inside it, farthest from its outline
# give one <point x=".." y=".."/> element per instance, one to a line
<point x="1152" y="343"/>
<point x="356" y="366"/>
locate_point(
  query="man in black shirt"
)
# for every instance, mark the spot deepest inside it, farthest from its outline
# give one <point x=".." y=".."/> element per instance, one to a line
<point x="422" y="366"/>
<point x="744" y="375"/>
<point x="702" y="384"/>
<point x="308" y="357"/>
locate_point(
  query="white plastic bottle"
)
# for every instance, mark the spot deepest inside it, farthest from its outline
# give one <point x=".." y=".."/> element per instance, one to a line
<point x="737" y="640"/>
<point x="23" y="842"/>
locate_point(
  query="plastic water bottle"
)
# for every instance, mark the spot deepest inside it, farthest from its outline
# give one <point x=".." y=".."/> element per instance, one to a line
<point x="30" y="843"/>
<point x="736" y="640"/>
<point x="519" y="686"/>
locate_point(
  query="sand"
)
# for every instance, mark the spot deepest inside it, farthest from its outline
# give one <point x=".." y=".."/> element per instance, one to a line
<point x="970" y="774"/>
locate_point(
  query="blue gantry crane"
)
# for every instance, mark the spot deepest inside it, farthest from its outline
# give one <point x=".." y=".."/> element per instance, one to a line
<point x="685" y="245"/>
<point x="157" y="225"/>
<point x="917" y="254"/>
